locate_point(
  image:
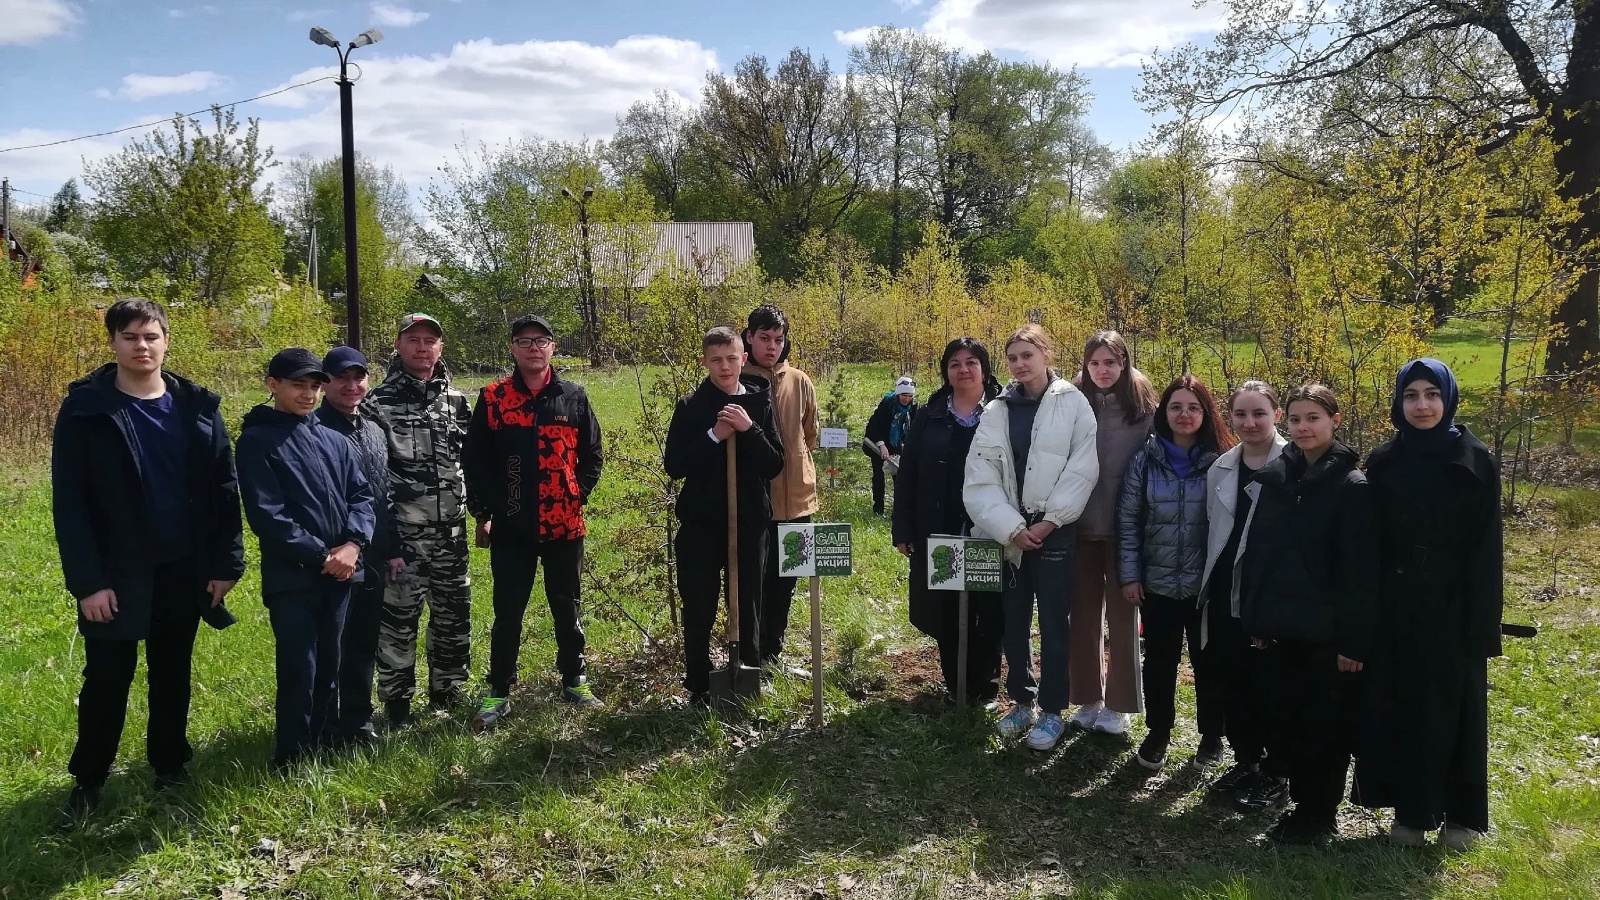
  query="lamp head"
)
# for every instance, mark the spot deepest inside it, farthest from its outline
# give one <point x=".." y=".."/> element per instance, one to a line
<point x="565" y="192"/>
<point x="370" y="36"/>
<point x="323" y="37"/>
<point x="588" y="192"/>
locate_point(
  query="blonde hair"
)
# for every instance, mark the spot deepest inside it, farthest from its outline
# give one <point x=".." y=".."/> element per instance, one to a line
<point x="1035" y="335"/>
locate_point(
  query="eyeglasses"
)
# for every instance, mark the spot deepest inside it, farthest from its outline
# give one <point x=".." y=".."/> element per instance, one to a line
<point x="523" y="343"/>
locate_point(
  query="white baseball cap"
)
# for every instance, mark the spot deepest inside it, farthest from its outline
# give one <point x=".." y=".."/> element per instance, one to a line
<point x="905" y="385"/>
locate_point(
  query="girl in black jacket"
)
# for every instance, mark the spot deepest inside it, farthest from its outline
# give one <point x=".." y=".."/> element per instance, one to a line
<point x="1309" y="583"/>
<point x="927" y="501"/>
<point x="1425" y="740"/>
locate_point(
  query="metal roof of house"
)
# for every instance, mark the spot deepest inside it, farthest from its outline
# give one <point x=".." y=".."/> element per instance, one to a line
<point x="710" y="250"/>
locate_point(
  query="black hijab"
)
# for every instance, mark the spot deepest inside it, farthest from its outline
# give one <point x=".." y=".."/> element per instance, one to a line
<point x="1440" y="437"/>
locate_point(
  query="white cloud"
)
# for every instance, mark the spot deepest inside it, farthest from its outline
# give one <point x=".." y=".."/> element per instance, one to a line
<point x="1065" y="32"/>
<point x="31" y="21"/>
<point x="143" y="87"/>
<point x="391" y="16"/>
<point x="174" y="13"/>
<point x="412" y="111"/>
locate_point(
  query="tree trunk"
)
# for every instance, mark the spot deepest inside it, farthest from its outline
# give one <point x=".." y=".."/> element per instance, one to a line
<point x="1577" y="160"/>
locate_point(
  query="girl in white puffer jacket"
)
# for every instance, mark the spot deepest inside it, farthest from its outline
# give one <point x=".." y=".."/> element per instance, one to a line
<point x="1032" y="466"/>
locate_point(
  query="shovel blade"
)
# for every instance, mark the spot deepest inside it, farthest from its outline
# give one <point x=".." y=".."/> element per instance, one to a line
<point x="735" y="682"/>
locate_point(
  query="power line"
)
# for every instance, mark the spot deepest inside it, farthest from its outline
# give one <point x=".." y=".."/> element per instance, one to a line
<point x="163" y="121"/>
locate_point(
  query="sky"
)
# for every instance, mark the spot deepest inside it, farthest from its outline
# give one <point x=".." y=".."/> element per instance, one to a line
<point x="454" y="72"/>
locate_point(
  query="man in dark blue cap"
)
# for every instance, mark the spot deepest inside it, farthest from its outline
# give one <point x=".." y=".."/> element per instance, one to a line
<point x="310" y="507"/>
<point x="341" y="411"/>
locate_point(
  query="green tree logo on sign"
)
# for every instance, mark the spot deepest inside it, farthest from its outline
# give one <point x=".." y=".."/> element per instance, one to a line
<point x="796" y="549"/>
<point x="946" y="564"/>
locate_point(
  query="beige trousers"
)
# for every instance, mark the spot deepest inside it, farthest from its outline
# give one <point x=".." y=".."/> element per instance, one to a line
<point x="1098" y="610"/>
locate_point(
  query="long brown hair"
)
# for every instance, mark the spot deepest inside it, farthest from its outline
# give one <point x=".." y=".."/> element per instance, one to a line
<point x="1133" y="390"/>
<point x="1317" y="393"/>
<point x="1212" y="436"/>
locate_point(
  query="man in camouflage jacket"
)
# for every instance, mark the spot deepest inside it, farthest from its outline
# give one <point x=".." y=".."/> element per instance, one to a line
<point x="427" y="421"/>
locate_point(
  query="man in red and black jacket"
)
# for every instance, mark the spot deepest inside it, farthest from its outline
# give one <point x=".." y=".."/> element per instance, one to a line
<point x="532" y="458"/>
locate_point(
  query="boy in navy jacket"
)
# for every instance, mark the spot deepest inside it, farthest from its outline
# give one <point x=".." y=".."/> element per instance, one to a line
<point x="311" y="508"/>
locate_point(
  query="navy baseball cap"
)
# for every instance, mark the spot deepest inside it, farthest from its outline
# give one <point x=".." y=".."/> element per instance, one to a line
<point x="528" y="321"/>
<point x="341" y="359"/>
<point x="295" y="362"/>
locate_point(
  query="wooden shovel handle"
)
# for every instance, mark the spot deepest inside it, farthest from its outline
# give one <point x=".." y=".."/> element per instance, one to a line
<point x="733" y="544"/>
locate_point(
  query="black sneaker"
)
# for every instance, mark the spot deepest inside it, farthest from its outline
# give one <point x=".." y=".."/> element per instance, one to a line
<point x="1231" y="781"/>
<point x="399" y="713"/>
<point x="700" y="699"/>
<point x="80" y="802"/>
<point x="1298" y="830"/>
<point x="364" y="736"/>
<point x="1263" y="793"/>
<point x="1210" y="753"/>
<point x="581" y="694"/>
<point x="1152" y="753"/>
<point x="176" y="778"/>
<point x="446" y="699"/>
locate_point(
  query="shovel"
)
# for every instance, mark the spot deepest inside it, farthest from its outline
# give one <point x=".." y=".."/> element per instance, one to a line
<point x="735" y="681"/>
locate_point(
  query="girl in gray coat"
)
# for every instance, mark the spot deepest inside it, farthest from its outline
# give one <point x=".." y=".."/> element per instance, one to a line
<point x="1161" y="559"/>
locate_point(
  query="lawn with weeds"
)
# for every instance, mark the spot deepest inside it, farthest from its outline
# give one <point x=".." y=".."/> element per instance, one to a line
<point x="897" y="796"/>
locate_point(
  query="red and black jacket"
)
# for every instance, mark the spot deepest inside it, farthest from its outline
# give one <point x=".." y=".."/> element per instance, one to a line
<point x="531" y="460"/>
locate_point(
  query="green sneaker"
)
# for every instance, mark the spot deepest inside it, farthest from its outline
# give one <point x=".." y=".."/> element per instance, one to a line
<point x="490" y="712"/>
<point x="580" y="694"/>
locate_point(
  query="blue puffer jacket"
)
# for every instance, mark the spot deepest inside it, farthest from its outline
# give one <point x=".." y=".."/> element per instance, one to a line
<point x="304" y="494"/>
<point x="1161" y="522"/>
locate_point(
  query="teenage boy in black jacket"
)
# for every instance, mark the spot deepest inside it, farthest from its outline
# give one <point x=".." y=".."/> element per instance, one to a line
<point x="531" y="459"/>
<point x="146" y="509"/>
<point x="341" y="410"/>
<point x="311" y="508"/>
<point x="726" y="406"/>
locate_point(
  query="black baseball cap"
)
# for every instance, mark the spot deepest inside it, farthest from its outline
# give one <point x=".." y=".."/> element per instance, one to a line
<point x="529" y="320"/>
<point x="295" y="362"/>
<point x="341" y="359"/>
<point x="411" y="320"/>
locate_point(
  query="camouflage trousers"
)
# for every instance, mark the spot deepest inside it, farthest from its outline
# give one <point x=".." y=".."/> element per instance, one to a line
<point x="437" y="578"/>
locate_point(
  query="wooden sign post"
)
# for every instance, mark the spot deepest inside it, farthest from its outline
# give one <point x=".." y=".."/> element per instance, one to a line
<point x="964" y="564"/>
<point x="814" y="551"/>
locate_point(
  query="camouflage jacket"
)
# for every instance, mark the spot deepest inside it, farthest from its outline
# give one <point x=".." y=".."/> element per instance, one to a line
<point x="427" y="426"/>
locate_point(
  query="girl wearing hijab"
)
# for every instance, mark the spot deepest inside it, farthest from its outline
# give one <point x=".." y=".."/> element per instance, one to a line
<point x="1161" y="526"/>
<point x="1029" y="474"/>
<point x="1106" y="687"/>
<point x="1307" y="595"/>
<point x="927" y="500"/>
<point x="1437" y="493"/>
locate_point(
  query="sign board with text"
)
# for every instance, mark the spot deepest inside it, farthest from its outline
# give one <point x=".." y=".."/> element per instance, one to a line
<point x="834" y="439"/>
<point x="964" y="564"/>
<point x="821" y="548"/>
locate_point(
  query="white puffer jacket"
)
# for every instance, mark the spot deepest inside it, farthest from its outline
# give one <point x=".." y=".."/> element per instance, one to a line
<point x="1063" y="466"/>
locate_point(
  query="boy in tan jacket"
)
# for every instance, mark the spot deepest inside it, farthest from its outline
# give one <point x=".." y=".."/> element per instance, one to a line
<point x="794" y="491"/>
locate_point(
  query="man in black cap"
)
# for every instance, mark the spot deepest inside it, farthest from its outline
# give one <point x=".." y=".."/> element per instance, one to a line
<point x="532" y="458"/>
<point x="311" y="509"/>
<point x="146" y="508"/>
<point x="346" y="369"/>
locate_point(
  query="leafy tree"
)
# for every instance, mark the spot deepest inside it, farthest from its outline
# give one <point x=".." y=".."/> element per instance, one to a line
<point x="1487" y="68"/>
<point x="651" y="144"/>
<point x="68" y="212"/>
<point x="185" y="205"/>
<point x="894" y="72"/>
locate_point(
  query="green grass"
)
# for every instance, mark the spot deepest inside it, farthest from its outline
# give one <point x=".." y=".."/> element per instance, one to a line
<point x="893" y="798"/>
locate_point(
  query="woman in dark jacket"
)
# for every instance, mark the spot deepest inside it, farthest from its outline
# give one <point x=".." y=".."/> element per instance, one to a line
<point x="927" y="501"/>
<point x="1161" y="557"/>
<point x="1308" y="588"/>
<point x="1425" y="744"/>
<point x="886" y="432"/>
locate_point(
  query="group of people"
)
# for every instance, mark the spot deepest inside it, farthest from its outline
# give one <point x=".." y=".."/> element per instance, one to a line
<point x="359" y="496"/>
<point x="1332" y="610"/>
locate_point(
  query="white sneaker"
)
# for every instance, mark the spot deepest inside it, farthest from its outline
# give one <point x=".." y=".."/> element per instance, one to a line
<point x="1047" y="733"/>
<point x="1085" y="716"/>
<point x="1017" y="721"/>
<point x="1108" y="722"/>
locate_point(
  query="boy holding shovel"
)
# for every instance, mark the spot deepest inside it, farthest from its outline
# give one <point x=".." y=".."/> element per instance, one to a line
<point x="725" y="407"/>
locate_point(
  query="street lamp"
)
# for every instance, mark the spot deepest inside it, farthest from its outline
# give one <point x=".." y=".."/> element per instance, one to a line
<point x="352" y="296"/>
<point x="591" y="315"/>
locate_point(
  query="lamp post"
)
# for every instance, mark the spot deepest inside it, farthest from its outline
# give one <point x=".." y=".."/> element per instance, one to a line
<point x="591" y="316"/>
<point x="352" y="295"/>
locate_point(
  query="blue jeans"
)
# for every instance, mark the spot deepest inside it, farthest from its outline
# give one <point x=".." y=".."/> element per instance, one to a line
<point x="1046" y="574"/>
<point x="308" y="626"/>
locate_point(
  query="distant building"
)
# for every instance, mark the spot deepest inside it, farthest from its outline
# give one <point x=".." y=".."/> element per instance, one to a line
<point x="636" y="254"/>
<point x="19" y="256"/>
